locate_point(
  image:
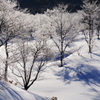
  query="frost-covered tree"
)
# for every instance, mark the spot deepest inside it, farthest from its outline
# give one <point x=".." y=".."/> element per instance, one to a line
<point x="97" y="23"/>
<point x="7" y="27"/>
<point x="63" y="31"/>
<point x="30" y="59"/>
<point x="6" y="21"/>
<point x="12" y="24"/>
<point x="90" y="13"/>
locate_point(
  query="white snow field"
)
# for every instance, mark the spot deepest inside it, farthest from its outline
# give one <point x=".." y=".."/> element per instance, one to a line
<point x="79" y="79"/>
<point x="11" y="92"/>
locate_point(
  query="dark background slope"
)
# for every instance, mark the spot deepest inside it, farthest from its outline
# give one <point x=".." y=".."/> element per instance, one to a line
<point x="39" y="6"/>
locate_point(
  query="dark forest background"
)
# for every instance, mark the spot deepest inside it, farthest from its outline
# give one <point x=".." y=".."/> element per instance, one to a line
<point x="39" y="6"/>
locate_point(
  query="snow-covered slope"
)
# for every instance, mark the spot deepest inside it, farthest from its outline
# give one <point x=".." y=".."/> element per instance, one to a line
<point x="11" y="92"/>
<point x="79" y="79"/>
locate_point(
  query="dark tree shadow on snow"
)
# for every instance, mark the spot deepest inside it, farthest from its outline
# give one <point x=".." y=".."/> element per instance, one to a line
<point x="88" y="75"/>
<point x="57" y="57"/>
<point x="96" y="54"/>
<point x="13" y="93"/>
<point x="85" y="73"/>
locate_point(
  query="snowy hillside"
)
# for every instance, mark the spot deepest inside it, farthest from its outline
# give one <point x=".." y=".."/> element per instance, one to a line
<point x="55" y="54"/>
<point x="11" y="92"/>
<point x="79" y="79"/>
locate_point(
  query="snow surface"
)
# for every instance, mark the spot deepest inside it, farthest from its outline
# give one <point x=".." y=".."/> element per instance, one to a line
<point x="11" y="92"/>
<point x="79" y="79"/>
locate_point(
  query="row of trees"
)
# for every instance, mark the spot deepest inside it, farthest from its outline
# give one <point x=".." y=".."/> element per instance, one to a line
<point x="26" y="37"/>
<point x="91" y="22"/>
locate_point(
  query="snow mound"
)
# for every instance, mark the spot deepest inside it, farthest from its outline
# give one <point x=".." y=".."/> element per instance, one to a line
<point x="11" y="92"/>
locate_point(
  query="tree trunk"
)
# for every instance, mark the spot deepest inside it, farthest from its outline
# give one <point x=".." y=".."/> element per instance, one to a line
<point x="98" y="34"/>
<point x="26" y="87"/>
<point x="61" y="58"/>
<point x="6" y="63"/>
<point x="90" y="49"/>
